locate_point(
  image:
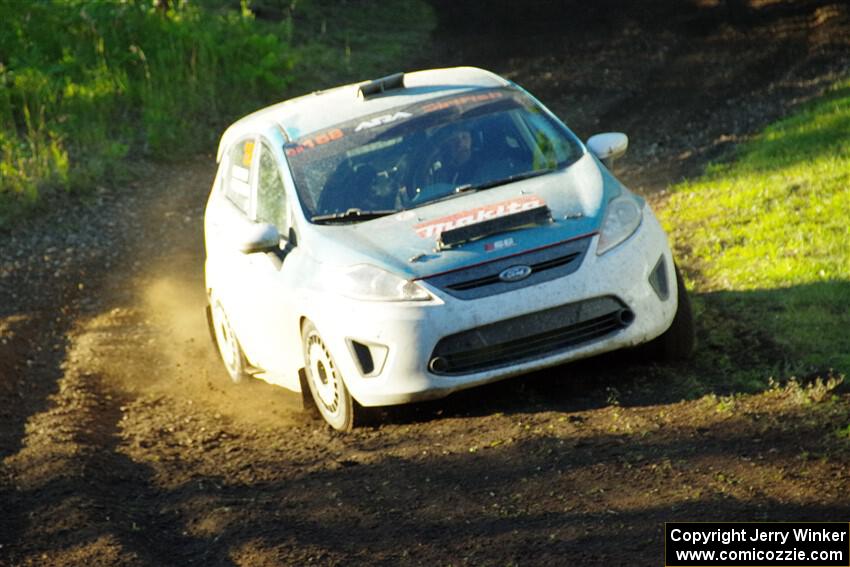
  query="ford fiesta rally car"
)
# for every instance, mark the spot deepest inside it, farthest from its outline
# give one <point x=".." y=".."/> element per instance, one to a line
<point x="404" y="238"/>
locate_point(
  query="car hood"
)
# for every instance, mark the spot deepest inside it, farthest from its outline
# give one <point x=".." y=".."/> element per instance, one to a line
<point x="406" y="242"/>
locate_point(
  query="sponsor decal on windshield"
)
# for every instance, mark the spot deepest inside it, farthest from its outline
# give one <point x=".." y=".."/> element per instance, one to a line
<point x="460" y="101"/>
<point x="433" y="228"/>
<point x="381" y="120"/>
<point x="314" y="141"/>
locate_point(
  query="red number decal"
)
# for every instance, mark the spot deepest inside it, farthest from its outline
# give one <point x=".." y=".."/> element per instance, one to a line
<point x="318" y="140"/>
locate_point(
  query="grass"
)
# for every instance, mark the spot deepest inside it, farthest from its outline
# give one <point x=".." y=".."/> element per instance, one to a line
<point x="88" y="87"/>
<point x="769" y="237"/>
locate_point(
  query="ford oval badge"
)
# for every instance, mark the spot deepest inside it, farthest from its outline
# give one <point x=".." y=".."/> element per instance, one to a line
<point x="515" y="273"/>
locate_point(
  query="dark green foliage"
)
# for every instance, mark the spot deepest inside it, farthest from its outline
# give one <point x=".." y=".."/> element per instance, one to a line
<point x="85" y="85"/>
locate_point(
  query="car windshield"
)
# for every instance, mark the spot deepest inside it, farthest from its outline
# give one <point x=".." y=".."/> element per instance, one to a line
<point x="417" y="154"/>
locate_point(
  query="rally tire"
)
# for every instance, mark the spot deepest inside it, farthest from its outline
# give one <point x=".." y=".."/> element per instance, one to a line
<point x="227" y="344"/>
<point x="324" y="379"/>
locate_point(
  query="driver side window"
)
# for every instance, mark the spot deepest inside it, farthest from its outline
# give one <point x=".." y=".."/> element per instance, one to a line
<point x="271" y="196"/>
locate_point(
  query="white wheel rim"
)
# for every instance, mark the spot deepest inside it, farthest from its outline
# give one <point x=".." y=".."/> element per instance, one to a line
<point x="227" y="346"/>
<point x="323" y="374"/>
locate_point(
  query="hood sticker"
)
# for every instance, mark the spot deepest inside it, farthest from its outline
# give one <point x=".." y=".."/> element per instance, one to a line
<point x="499" y="245"/>
<point x="433" y="228"/>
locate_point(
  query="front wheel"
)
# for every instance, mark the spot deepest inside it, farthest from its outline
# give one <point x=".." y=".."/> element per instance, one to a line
<point x="325" y="381"/>
<point x="228" y="345"/>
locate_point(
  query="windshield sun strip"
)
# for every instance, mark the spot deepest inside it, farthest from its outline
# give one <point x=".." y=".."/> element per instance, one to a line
<point x="326" y="144"/>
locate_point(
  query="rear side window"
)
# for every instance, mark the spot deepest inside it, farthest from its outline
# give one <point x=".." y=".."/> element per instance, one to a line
<point x="238" y="182"/>
<point x="271" y="197"/>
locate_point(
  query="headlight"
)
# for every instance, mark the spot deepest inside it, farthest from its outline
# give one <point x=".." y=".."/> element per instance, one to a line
<point x="622" y="219"/>
<point x="369" y="283"/>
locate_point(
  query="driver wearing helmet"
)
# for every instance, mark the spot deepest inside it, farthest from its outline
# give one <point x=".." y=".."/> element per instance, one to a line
<point x="454" y="163"/>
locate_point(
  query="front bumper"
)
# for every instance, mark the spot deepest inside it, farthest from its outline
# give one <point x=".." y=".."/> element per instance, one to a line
<point x="411" y="331"/>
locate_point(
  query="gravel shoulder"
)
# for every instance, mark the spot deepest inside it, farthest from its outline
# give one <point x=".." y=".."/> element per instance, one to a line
<point x="122" y="442"/>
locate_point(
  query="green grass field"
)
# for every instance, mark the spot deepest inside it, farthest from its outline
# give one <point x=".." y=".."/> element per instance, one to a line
<point x="767" y="240"/>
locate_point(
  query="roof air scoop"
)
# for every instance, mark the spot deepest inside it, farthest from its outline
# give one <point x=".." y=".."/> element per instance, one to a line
<point x="380" y="86"/>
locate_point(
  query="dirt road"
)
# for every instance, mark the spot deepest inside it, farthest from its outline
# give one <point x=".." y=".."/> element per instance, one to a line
<point x="122" y="442"/>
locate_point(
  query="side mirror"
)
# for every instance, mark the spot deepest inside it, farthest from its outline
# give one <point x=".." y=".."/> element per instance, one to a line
<point x="261" y="237"/>
<point x="608" y="146"/>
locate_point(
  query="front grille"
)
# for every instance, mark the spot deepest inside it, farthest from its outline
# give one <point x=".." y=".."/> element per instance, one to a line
<point x="494" y="278"/>
<point x="530" y="336"/>
<point x="483" y="280"/>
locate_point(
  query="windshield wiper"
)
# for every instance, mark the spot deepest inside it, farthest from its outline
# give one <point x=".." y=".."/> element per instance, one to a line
<point x="469" y="188"/>
<point x="351" y="215"/>
<point x="504" y="181"/>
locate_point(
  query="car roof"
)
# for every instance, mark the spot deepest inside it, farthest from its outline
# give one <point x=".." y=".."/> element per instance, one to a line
<point x="322" y="109"/>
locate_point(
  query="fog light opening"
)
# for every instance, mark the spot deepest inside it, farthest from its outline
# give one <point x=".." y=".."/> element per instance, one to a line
<point x="369" y="357"/>
<point x="658" y="279"/>
<point x="364" y="358"/>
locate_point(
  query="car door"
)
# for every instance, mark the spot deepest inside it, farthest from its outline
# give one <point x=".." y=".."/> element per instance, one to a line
<point x="228" y="220"/>
<point x="270" y="279"/>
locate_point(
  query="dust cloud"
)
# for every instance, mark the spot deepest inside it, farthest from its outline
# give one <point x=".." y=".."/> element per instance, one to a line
<point x="158" y="345"/>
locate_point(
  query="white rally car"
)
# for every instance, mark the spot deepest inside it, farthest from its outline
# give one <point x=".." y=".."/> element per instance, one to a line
<point x="404" y="238"/>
